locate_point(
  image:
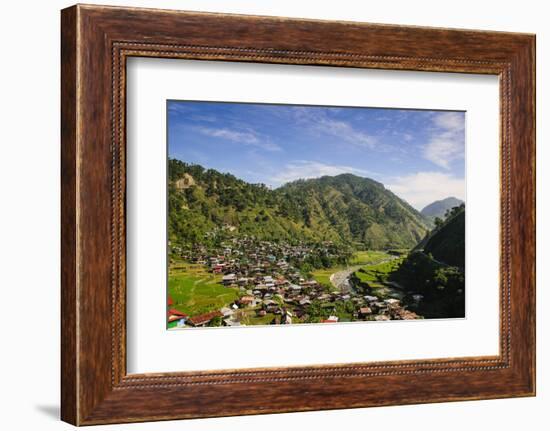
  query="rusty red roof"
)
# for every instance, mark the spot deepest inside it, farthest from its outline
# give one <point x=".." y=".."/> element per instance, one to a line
<point x="204" y="318"/>
<point x="175" y="312"/>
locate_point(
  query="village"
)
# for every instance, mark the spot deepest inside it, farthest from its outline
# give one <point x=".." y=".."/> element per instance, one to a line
<point x="273" y="290"/>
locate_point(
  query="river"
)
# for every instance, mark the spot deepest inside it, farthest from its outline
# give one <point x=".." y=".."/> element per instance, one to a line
<point x="340" y="279"/>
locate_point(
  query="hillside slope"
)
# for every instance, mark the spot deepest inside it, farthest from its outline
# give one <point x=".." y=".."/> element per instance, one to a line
<point x="447" y="243"/>
<point x="346" y="208"/>
<point x="435" y="269"/>
<point x="357" y="209"/>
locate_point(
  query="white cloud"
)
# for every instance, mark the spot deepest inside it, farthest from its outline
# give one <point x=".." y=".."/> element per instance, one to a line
<point x="304" y="169"/>
<point x="408" y="137"/>
<point x="246" y="137"/>
<point x="191" y="113"/>
<point x="447" y="140"/>
<point x="442" y="152"/>
<point x="449" y="120"/>
<point x="423" y="188"/>
<point x="232" y="135"/>
<point x="321" y="123"/>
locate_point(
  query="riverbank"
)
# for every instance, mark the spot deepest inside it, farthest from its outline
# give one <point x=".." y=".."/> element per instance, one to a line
<point x="341" y="279"/>
<point x="335" y="277"/>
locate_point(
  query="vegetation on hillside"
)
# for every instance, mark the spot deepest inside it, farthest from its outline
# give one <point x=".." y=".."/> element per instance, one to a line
<point x="435" y="269"/>
<point x="446" y="242"/>
<point x="345" y="209"/>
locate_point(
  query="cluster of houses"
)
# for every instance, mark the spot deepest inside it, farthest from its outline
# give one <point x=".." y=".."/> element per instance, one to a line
<point x="387" y="309"/>
<point x="273" y="289"/>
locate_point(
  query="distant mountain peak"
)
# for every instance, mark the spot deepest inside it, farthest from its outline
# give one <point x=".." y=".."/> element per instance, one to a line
<point x="440" y="207"/>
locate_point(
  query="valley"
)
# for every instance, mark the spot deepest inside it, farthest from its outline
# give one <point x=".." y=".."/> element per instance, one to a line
<point x="325" y="250"/>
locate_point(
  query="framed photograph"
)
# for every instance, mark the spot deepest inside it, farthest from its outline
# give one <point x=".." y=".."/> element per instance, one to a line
<point x="330" y="214"/>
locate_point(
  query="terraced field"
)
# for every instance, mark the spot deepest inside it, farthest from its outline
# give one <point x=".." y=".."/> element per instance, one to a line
<point x="360" y="258"/>
<point x="376" y="277"/>
<point x="369" y="257"/>
<point x="195" y="291"/>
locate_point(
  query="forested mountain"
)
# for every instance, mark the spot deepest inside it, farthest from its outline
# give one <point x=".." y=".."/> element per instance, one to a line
<point x="435" y="268"/>
<point x="357" y="209"/>
<point x="343" y="209"/>
<point x="439" y="208"/>
<point x="447" y="242"/>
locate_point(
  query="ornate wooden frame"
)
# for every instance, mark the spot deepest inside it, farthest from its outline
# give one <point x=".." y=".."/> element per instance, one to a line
<point x="95" y="42"/>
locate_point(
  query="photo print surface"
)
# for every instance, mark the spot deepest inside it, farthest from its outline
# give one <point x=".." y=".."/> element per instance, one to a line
<point x="293" y="214"/>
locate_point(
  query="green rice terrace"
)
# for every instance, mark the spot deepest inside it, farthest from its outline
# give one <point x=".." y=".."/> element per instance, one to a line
<point x="376" y="279"/>
<point x="194" y="290"/>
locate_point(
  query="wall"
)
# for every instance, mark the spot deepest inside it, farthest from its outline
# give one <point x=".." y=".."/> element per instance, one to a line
<point x="29" y="220"/>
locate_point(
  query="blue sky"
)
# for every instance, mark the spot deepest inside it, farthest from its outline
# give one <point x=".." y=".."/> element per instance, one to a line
<point x="419" y="155"/>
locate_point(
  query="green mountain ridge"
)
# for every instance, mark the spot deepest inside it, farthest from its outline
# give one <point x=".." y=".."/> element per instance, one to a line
<point x="435" y="268"/>
<point x="204" y="203"/>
